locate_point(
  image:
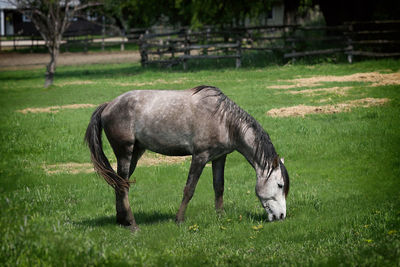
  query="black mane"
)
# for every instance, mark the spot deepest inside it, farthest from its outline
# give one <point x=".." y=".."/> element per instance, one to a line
<point x="238" y="122"/>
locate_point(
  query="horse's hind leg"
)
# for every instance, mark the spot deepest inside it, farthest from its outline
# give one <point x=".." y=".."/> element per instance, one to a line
<point x="137" y="153"/>
<point x="127" y="157"/>
<point x="218" y="166"/>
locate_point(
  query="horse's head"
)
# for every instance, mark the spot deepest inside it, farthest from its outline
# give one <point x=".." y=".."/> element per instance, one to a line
<point x="272" y="188"/>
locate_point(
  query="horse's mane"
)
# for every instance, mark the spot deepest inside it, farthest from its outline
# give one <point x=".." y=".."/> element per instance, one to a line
<point x="239" y="122"/>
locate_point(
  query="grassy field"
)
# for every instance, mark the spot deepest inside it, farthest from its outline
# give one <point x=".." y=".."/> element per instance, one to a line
<point x="343" y="207"/>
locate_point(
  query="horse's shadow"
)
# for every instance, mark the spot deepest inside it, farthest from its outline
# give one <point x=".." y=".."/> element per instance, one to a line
<point x="141" y="218"/>
<point x="147" y="218"/>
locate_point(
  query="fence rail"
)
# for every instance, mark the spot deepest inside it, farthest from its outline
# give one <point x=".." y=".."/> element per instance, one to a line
<point x="83" y="39"/>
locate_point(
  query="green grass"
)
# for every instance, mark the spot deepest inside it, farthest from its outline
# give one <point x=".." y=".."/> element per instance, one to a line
<point x="343" y="207"/>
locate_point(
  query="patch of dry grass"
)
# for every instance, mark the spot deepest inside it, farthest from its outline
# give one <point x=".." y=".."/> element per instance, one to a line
<point x="54" y="109"/>
<point x="75" y="168"/>
<point x="75" y="83"/>
<point x="375" y="78"/>
<point x="302" y="110"/>
<point x="332" y="90"/>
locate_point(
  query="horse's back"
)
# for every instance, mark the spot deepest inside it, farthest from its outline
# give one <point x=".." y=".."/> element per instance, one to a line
<point x="167" y="122"/>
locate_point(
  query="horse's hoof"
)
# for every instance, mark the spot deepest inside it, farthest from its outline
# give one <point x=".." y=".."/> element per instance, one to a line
<point x="179" y="221"/>
<point x="133" y="228"/>
<point x="220" y="211"/>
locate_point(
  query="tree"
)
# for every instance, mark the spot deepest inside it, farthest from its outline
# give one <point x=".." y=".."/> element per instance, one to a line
<point x="51" y="18"/>
<point x="195" y="13"/>
<point x="126" y="14"/>
<point x="340" y="11"/>
<point x="217" y="12"/>
<point x="231" y="13"/>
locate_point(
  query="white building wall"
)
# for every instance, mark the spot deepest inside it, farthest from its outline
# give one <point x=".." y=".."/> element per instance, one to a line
<point x="4" y="4"/>
<point x="278" y="14"/>
<point x="2" y="20"/>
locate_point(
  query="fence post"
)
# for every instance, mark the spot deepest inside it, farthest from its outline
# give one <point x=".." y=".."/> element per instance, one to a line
<point x="206" y="38"/>
<point x="161" y="44"/>
<point x="66" y="43"/>
<point x="187" y="49"/>
<point x="293" y="50"/>
<point x="31" y="50"/>
<point x="86" y="43"/>
<point x="171" y="47"/>
<point x="350" y="45"/>
<point x="103" y="32"/>
<point x="143" y="49"/>
<point x="238" y="53"/>
<point x="123" y="40"/>
<point x="292" y="32"/>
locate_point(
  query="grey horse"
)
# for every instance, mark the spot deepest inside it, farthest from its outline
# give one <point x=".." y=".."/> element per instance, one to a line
<point x="201" y="122"/>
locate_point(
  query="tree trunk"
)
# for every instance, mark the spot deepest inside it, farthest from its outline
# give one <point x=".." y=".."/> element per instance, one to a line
<point x="51" y="19"/>
<point x="51" y="67"/>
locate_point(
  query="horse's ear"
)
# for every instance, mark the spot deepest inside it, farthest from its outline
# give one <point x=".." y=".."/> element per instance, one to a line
<point x="275" y="162"/>
<point x="283" y="160"/>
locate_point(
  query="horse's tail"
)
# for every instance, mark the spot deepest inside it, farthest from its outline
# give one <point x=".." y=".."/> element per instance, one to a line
<point x="99" y="159"/>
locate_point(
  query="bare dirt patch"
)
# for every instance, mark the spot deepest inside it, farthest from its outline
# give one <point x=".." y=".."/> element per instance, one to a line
<point x="290" y="86"/>
<point x="70" y="167"/>
<point x="302" y="110"/>
<point x="375" y="78"/>
<point x="75" y="168"/>
<point x="155" y="82"/>
<point x="332" y="90"/>
<point x="75" y="83"/>
<point x="54" y="109"/>
<point x="11" y="61"/>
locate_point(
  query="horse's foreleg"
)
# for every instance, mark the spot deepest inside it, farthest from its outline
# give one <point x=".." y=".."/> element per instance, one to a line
<point x="196" y="168"/>
<point x="218" y="166"/>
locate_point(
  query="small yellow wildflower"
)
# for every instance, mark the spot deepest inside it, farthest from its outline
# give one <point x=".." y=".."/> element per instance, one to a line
<point x="194" y="228"/>
<point x="392" y="232"/>
<point x="257" y="227"/>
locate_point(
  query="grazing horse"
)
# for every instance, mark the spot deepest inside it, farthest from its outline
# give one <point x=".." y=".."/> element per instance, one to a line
<point x="201" y="122"/>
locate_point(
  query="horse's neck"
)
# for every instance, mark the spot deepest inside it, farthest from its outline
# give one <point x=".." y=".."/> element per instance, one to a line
<point x="246" y="145"/>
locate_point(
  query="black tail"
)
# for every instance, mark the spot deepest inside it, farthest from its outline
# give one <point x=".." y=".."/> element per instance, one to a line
<point x="99" y="159"/>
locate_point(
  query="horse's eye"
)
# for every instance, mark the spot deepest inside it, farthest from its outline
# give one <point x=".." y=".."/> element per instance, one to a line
<point x="280" y="185"/>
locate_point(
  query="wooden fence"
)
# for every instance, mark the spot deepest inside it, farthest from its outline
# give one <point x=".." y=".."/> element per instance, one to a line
<point x="371" y="39"/>
<point x="353" y="39"/>
<point x="180" y="46"/>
